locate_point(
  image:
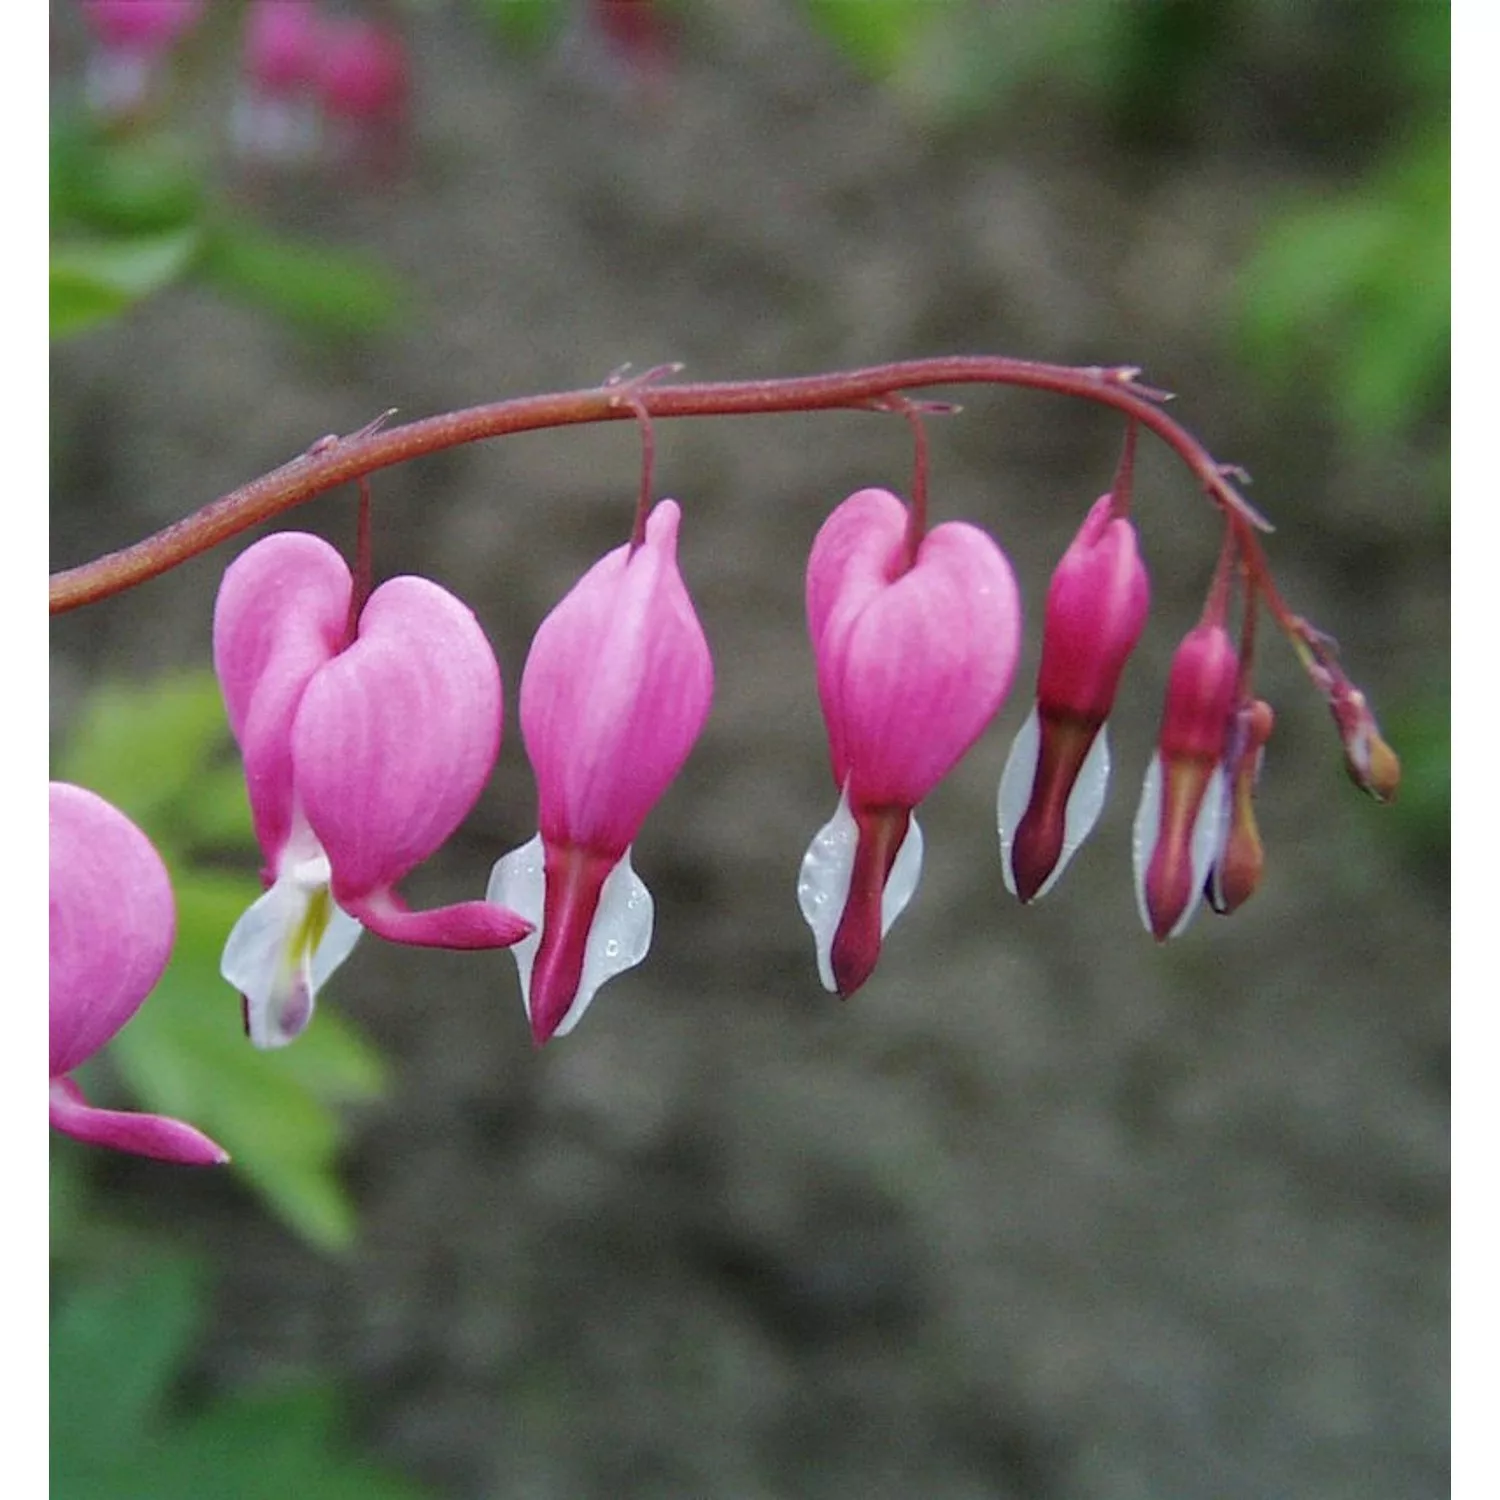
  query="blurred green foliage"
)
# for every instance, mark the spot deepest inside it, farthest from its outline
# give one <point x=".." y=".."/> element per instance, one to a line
<point x="123" y="1428"/>
<point x="161" y="753"/>
<point x="132" y="215"/>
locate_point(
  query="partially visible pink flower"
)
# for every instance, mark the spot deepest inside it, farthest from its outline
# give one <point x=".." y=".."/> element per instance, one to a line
<point x="133" y="38"/>
<point x="112" y="922"/>
<point x="282" y="42"/>
<point x="275" y="114"/>
<point x="1052" y="791"/>
<point x="145" y="26"/>
<point x="361" y="758"/>
<point x="914" y="659"/>
<point x="1241" y="858"/>
<point x="363" y="87"/>
<point x="1179" y="824"/>
<point x="615" y="693"/>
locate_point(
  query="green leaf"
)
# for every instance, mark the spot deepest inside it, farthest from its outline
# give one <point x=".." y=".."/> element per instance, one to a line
<point x="321" y="291"/>
<point x="115" y="1348"/>
<point x="878" y="35"/>
<point x="145" y="748"/>
<point x="526" y="25"/>
<point x="119" y="1346"/>
<point x="139" y="186"/>
<point x="93" y="280"/>
<point x="185" y="1054"/>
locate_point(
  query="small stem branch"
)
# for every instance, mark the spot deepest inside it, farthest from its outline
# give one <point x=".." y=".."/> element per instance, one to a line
<point x="327" y="465"/>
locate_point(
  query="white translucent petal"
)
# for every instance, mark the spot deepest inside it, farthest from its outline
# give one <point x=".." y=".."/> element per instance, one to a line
<point x="1203" y="846"/>
<point x="518" y="881"/>
<point x="1146" y="830"/>
<point x="1208" y="839"/>
<point x="901" y="883"/>
<point x="823" y="882"/>
<point x="1016" y="782"/>
<point x="619" y="936"/>
<point x="336" y="945"/>
<point x="271" y="960"/>
<point x="1085" y="801"/>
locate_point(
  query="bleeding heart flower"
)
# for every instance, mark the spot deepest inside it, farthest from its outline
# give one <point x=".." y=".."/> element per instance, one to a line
<point x="915" y="656"/>
<point x="1052" y="791"/>
<point x="133" y="38"/>
<point x="112" y="922"/>
<point x="1179" y="825"/>
<point x="275" y="114"/>
<point x="361" y="758"/>
<point x="616" y="690"/>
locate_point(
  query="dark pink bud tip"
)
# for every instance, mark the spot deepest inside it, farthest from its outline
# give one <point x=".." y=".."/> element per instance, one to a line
<point x="1041" y="833"/>
<point x="856" y="942"/>
<point x="574" y="880"/>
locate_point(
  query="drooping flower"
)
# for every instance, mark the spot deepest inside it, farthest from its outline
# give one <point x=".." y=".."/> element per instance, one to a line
<point x="914" y="658"/>
<point x="1180" y="822"/>
<point x="361" y="758"/>
<point x="112" y="922"/>
<point x="133" y="38"/>
<point x="1052" y="791"/>
<point x="363" y="84"/>
<point x="275" y="115"/>
<point x="1241" y="858"/>
<point x="616" y="690"/>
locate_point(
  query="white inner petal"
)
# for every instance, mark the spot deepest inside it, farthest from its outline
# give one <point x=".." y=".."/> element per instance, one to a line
<point x="1085" y="801"/>
<point x="823" y="882"/>
<point x="1016" y="782"/>
<point x="1144" y="834"/>
<point x="1203" y="846"/>
<point x="284" y="949"/>
<point x="1208" y="837"/>
<point x="619" y="936"/>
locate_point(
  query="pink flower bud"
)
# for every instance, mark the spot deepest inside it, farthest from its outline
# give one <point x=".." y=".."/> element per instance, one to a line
<point x="914" y="660"/>
<point x="147" y="27"/>
<point x="360" y="761"/>
<point x="1241" y="858"/>
<point x="112" y="921"/>
<point x="1371" y="763"/>
<point x="362" y="72"/>
<point x="1053" y="788"/>
<point x="615" y="693"/>
<point x="1179" y="823"/>
<point x="282" y="44"/>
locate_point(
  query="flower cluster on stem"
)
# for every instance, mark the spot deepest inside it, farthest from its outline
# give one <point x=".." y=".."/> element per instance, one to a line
<point x="370" y="720"/>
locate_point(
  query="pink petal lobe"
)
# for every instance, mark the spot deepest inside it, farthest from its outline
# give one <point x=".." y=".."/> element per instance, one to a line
<point x="466" y="924"/>
<point x="616" y="690"/>
<point x="1096" y="609"/>
<point x="112" y="922"/>
<point x="396" y="736"/>
<point x="282" y="614"/>
<point x="913" y="665"/>
<point x="143" y="1135"/>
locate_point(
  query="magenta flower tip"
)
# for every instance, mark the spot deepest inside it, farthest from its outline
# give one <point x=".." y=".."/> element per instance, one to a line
<point x="616" y="690"/>
<point x="1096" y="609"/>
<point x="112" y="922"/>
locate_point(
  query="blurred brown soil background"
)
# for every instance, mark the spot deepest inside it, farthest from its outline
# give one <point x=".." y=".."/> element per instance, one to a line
<point x="1046" y="1210"/>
